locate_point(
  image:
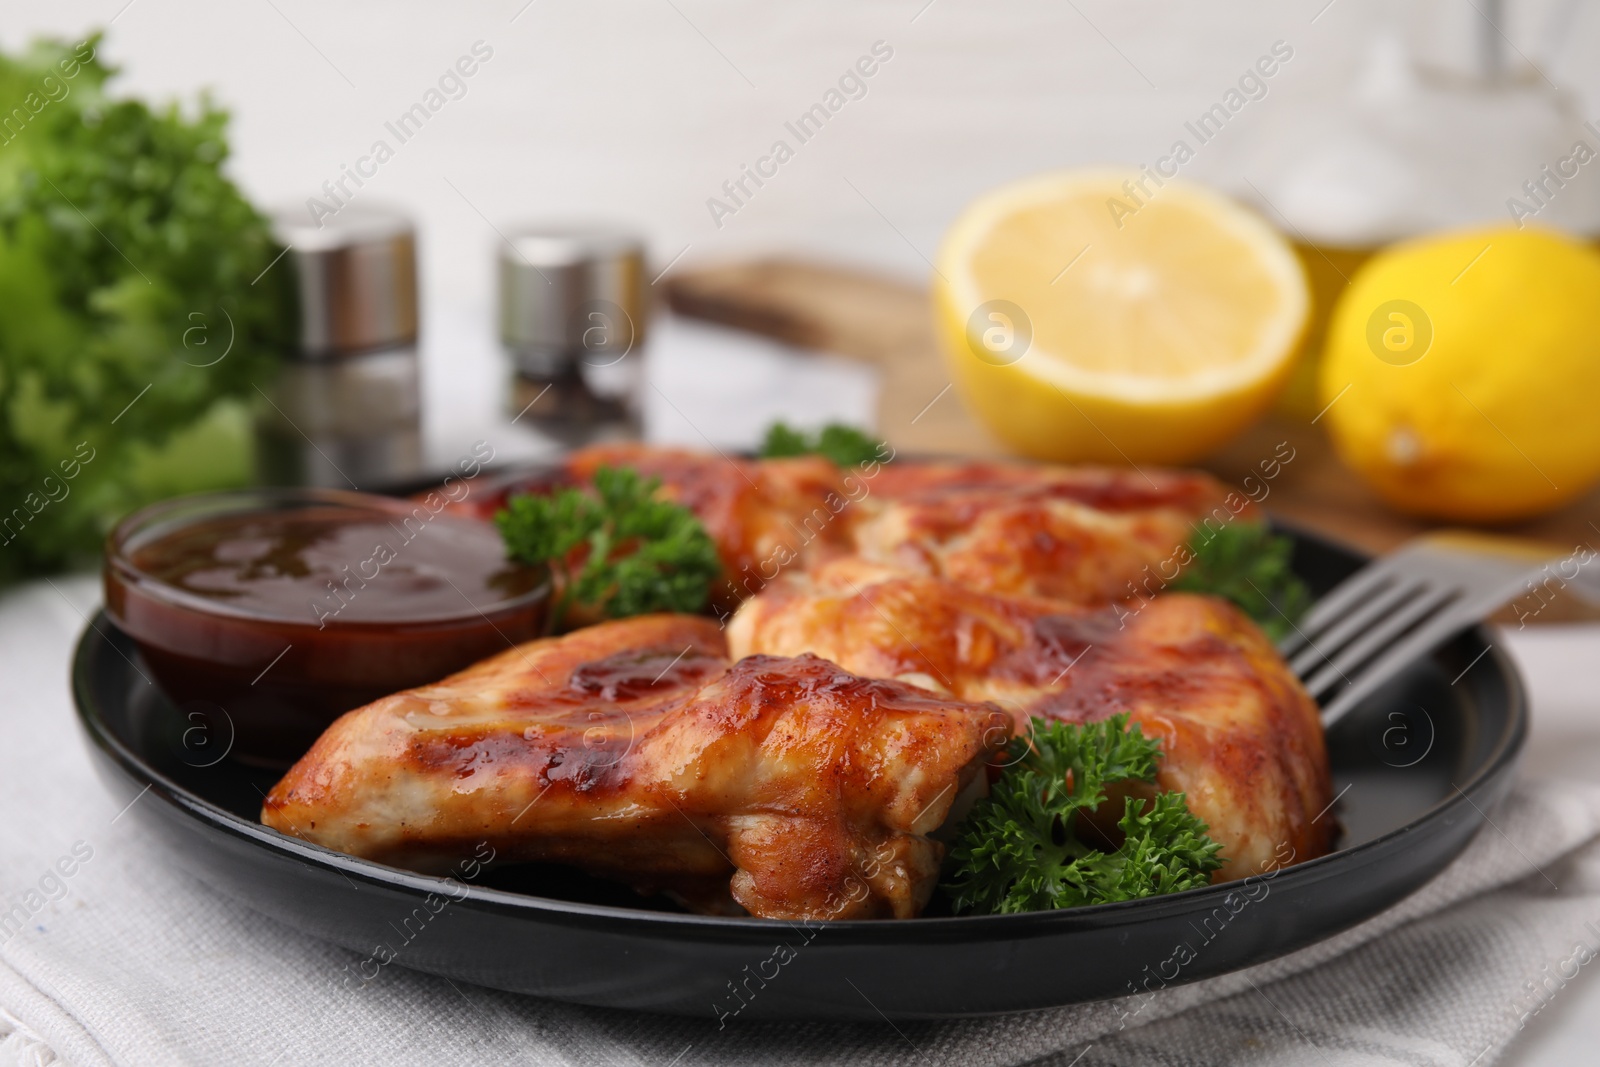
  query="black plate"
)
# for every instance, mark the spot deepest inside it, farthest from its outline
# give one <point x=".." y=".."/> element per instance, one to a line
<point x="1416" y="767"/>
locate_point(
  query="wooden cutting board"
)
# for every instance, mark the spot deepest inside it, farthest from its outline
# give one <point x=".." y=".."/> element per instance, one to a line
<point x="889" y="323"/>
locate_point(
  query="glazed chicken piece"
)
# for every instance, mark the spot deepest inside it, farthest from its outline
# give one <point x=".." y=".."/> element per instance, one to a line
<point x="633" y="750"/>
<point x="764" y="515"/>
<point x="1088" y="535"/>
<point x="1239" y="734"/>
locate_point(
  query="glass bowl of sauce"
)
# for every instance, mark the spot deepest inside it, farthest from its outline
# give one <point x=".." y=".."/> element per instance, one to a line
<point x="286" y="608"/>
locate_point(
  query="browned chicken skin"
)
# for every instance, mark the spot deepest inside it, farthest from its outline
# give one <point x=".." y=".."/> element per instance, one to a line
<point x="793" y="785"/>
<point x="765" y="515"/>
<point x="1088" y="535"/>
<point x="1239" y="734"/>
<point x="633" y="750"/>
<point x="1084" y="534"/>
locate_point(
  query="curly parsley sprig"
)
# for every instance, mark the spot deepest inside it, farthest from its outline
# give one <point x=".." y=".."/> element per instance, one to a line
<point x="1247" y="563"/>
<point x="845" y="445"/>
<point x="617" y="549"/>
<point x="1020" y="848"/>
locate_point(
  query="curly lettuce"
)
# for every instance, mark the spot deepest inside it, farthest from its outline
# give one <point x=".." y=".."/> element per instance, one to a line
<point x="129" y="264"/>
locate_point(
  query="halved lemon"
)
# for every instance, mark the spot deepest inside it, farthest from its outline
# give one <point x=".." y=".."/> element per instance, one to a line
<point x="1098" y="316"/>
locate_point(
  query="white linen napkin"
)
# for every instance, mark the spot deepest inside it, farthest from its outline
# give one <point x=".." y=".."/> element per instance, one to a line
<point x="126" y="961"/>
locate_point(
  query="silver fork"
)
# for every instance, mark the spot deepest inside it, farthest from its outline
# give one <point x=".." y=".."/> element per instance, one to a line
<point x="1401" y="606"/>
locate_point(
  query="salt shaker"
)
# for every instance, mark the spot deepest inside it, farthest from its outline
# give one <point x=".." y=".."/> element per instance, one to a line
<point x="346" y="409"/>
<point x="573" y="321"/>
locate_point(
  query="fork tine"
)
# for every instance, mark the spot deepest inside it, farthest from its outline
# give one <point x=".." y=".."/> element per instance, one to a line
<point x="1457" y="616"/>
<point x="1463" y="577"/>
<point x="1381" y="571"/>
<point x="1323" y="645"/>
<point x="1411" y="647"/>
<point x="1369" y="581"/>
<point x="1351" y="660"/>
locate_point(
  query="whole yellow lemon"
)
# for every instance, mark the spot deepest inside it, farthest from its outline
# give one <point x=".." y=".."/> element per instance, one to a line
<point x="1462" y="371"/>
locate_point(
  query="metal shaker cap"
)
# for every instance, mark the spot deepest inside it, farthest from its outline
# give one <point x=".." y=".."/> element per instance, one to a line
<point x="569" y="294"/>
<point x="357" y="278"/>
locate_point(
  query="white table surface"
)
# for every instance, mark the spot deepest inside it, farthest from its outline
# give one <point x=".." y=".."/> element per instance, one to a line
<point x="1560" y="663"/>
<point x="1561" y="666"/>
<point x="728" y="386"/>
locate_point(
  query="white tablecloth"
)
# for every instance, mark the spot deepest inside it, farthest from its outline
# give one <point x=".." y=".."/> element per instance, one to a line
<point x="128" y="961"/>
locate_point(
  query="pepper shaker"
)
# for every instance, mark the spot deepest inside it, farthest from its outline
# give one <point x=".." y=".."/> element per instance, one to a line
<point x="346" y="408"/>
<point x="573" y="321"/>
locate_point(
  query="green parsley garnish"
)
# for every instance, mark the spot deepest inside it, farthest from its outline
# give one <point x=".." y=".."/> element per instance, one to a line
<point x="1247" y="563"/>
<point x="845" y="445"/>
<point x="639" y="554"/>
<point x="1021" y="848"/>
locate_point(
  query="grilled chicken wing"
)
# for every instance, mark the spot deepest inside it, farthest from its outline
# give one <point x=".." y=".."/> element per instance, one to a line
<point x="1239" y="734"/>
<point x="764" y="515"/>
<point x="633" y="749"/>
<point x="1088" y="535"/>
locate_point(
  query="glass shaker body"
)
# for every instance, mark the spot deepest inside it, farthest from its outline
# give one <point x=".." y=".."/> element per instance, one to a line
<point x="346" y="408"/>
<point x="573" y="320"/>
